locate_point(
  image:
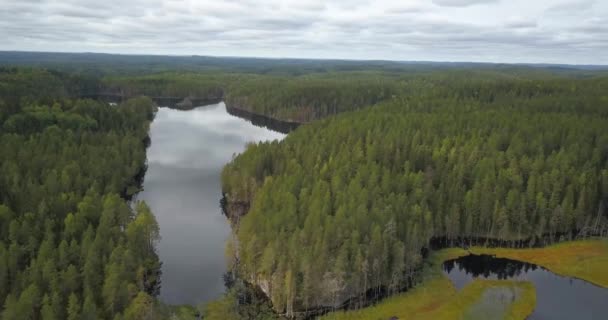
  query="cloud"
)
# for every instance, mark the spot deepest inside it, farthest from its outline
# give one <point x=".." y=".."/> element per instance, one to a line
<point x="462" y="3"/>
<point x="453" y="30"/>
<point x="571" y="6"/>
<point x="520" y="23"/>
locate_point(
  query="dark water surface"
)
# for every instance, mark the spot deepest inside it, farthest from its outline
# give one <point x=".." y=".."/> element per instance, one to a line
<point x="182" y="187"/>
<point x="557" y="297"/>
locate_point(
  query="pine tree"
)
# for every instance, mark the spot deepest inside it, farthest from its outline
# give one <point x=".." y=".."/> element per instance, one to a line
<point x="73" y="310"/>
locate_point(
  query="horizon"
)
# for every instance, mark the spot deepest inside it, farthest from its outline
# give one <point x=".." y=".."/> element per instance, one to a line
<point x="295" y="58"/>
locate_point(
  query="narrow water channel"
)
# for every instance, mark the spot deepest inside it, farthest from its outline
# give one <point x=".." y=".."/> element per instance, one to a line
<point x="557" y="297"/>
<point x="182" y="187"/>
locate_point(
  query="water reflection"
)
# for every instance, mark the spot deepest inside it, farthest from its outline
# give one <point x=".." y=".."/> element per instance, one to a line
<point x="182" y="186"/>
<point x="487" y="266"/>
<point x="556" y="297"/>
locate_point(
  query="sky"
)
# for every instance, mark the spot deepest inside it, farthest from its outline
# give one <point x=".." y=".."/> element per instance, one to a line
<point x="516" y="31"/>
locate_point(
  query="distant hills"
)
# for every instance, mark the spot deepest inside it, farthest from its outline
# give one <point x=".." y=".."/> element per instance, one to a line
<point x="118" y="63"/>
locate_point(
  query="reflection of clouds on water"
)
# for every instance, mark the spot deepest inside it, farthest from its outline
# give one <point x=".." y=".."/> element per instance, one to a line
<point x="182" y="186"/>
<point x="202" y="138"/>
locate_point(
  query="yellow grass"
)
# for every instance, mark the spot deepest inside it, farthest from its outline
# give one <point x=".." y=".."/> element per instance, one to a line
<point x="524" y="306"/>
<point x="587" y="260"/>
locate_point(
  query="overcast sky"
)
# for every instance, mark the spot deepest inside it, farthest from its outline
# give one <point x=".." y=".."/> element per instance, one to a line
<point x="552" y="31"/>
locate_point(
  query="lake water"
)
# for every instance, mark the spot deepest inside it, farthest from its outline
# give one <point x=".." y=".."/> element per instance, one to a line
<point x="182" y="187"/>
<point x="557" y="297"/>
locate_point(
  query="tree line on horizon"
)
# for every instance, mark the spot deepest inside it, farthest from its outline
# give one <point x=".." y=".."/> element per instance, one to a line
<point x="312" y="96"/>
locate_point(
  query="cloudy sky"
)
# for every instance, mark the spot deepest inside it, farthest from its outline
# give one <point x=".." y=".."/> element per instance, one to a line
<point x="553" y="31"/>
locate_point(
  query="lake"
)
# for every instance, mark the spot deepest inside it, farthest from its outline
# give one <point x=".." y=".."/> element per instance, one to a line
<point x="557" y="297"/>
<point x="182" y="187"/>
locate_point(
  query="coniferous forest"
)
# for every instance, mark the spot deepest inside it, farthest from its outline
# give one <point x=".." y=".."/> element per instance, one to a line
<point x="71" y="246"/>
<point x="344" y="207"/>
<point x="390" y="163"/>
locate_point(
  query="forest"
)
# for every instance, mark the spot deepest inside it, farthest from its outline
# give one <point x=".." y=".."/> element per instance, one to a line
<point x="71" y="246"/>
<point x="284" y="97"/>
<point x="391" y="160"/>
<point x="343" y="207"/>
<point x="310" y="96"/>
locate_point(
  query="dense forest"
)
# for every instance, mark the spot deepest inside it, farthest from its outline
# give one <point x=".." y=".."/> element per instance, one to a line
<point x="343" y="207"/>
<point x="394" y="157"/>
<point x="71" y="246"/>
<point x="289" y="98"/>
<point x="170" y="84"/>
<point x="307" y="97"/>
<point x="310" y="97"/>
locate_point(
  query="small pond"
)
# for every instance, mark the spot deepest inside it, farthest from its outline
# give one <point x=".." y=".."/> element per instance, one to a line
<point x="557" y="297"/>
